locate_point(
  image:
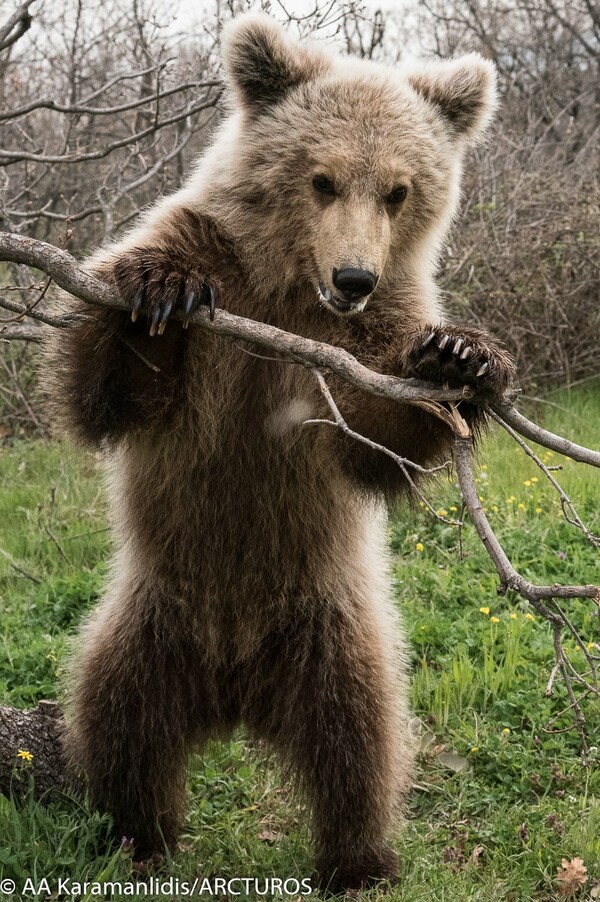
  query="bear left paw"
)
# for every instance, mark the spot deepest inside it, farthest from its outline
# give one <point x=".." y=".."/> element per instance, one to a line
<point x="457" y="356"/>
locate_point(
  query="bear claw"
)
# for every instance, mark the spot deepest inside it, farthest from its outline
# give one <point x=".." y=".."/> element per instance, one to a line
<point x="212" y="300"/>
<point x="136" y="305"/>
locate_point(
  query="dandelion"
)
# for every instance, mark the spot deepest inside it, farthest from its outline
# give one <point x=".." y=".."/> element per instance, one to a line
<point x="494" y="620"/>
<point x="527" y="483"/>
<point x="534" y="479"/>
<point x="419" y="546"/>
<point x="495" y="508"/>
<point x="590" y="646"/>
<point x="484" y="610"/>
<point x="521" y="506"/>
<point x="474" y="748"/>
<point x="511" y="500"/>
<point x="514" y="615"/>
<point x="481" y="498"/>
<point x="25" y="755"/>
<point x="538" y="510"/>
<point x="453" y="509"/>
<point x="529" y="617"/>
<point x="442" y="512"/>
<point x="506" y="731"/>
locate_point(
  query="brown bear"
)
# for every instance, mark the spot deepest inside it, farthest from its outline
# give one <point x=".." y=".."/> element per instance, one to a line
<point x="250" y="582"/>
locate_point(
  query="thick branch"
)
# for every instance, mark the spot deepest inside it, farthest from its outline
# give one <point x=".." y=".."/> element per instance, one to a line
<point x="66" y="273"/>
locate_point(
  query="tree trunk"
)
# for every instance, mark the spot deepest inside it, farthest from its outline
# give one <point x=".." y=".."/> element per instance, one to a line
<point x="36" y="733"/>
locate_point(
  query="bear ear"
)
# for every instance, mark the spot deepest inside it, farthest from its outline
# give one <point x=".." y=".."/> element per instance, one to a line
<point x="262" y="64"/>
<point x="463" y="90"/>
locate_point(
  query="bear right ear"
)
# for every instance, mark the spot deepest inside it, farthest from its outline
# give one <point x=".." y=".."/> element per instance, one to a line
<point x="262" y="64"/>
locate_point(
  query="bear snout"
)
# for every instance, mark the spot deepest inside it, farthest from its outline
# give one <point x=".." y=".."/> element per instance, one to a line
<point x="354" y="284"/>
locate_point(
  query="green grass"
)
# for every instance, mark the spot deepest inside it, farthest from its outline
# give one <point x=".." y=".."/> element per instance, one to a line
<point x="497" y="829"/>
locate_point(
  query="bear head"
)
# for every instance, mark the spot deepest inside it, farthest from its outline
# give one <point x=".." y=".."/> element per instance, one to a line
<point x="343" y="175"/>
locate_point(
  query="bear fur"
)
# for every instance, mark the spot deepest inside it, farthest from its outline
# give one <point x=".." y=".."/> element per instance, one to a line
<point x="250" y="582"/>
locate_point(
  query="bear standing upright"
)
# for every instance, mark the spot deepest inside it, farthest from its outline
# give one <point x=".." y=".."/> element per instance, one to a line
<point x="250" y="579"/>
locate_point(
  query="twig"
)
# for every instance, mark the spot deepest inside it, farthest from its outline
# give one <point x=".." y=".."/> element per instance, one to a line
<point x="564" y="498"/>
<point x="402" y="462"/>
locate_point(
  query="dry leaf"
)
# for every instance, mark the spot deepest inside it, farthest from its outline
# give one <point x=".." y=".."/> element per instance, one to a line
<point x="455" y="762"/>
<point x="267" y="836"/>
<point x="571" y="876"/>
<point x="475" y="854"/>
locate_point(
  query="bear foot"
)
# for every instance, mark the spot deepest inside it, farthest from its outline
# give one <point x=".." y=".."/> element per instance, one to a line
<point x="148" y="281"/>
<point x="372" y="868"/>
<point x="457" y="356"/>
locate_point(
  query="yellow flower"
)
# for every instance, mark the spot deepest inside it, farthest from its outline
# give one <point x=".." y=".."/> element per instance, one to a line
<point x="494" y="620"/>
<point x="474" y="748"/>
<point x="529" y="617"/>
<point x="24" y="755"/>
<point x="521" y="506"/>
<point x="481" y="498"/>
<point x="495" y="508"/>
<point x="527" y="482"/>
<point x="513" y="616"/>
<point x="538" y="510"/>
<point x="419" y="546"/>
<point x="511" y="499"/>
<point x="506" y="731"/>
<point x="484" y="610"/>
<point x="453" y="509"/>
<point x="534" y="479"/>
<point x="590" y="646"/>
<point x="442" y="512"/>
<point x="484" y="466"/>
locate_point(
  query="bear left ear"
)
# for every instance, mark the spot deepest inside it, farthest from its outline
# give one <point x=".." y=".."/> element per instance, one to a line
<point x="463" y="90"/>
<point x="262" y="64"/>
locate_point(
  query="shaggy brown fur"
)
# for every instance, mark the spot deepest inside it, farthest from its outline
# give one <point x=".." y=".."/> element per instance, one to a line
<point x="250" y="582"/>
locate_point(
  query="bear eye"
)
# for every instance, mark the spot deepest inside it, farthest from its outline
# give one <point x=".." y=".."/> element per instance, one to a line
<point x="397" y="195"/>
<point x="323" y="185"/>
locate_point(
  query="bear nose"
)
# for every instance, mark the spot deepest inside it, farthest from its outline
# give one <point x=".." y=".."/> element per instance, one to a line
<point x="354" y="284"/>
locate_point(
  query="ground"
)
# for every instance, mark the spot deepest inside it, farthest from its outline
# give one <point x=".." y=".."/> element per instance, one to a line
<point x="495" y="829"/>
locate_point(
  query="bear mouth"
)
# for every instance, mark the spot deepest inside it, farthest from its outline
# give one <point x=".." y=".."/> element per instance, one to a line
<point x="339" y="305"/>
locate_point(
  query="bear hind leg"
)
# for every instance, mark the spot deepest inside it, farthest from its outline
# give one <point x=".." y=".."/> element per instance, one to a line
<point x="333" y="704"/>
<point x="130" y="722"/>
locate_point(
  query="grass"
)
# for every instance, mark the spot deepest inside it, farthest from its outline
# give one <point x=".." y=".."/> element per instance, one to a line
<point x="499" y="801"/>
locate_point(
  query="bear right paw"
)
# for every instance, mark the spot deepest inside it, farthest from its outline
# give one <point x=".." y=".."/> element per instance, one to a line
<point x="156" y="289"/>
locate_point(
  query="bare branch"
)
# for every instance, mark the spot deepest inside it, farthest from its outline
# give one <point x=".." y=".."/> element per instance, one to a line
<point x="48" y="104"/>
<point x="16" y="26"/>
<point x="548" y="439"/>
<point x="509" y="578"/>
<point x="8" y="157"/>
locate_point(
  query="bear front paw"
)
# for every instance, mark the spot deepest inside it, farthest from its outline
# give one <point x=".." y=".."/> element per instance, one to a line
<point x="457" y="356"/>
<point x="156" y="288"/>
